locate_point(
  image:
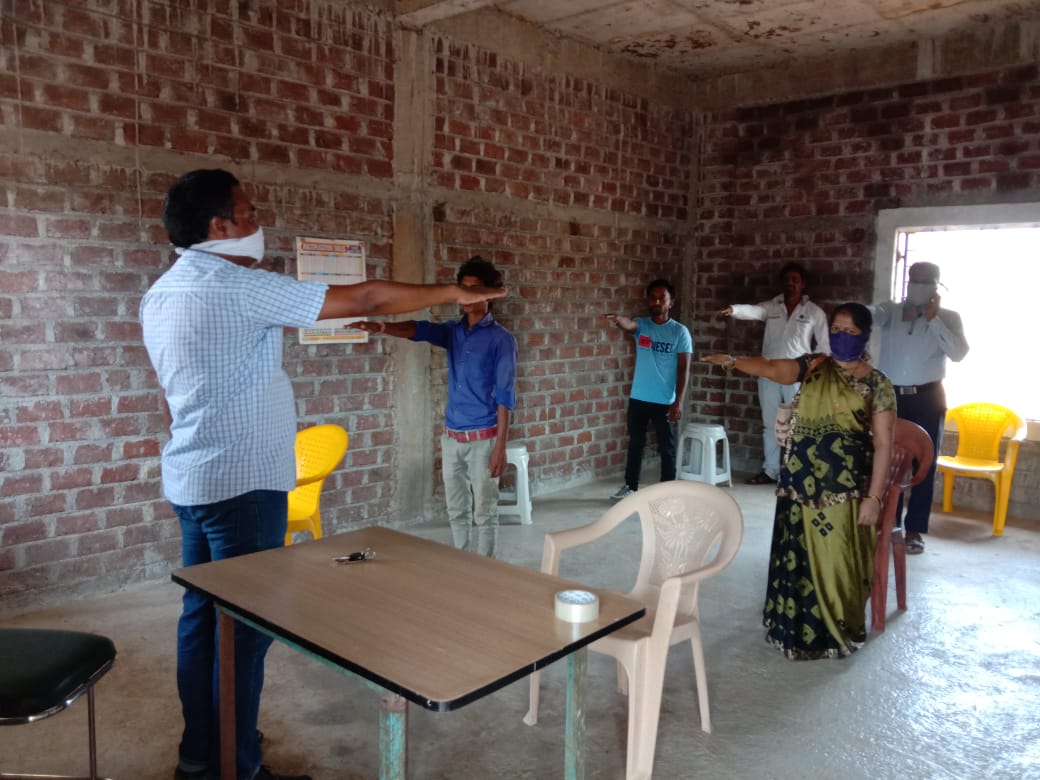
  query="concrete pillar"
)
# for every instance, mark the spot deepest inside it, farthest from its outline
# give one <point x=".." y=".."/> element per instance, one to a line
<point x="412" y="261"/>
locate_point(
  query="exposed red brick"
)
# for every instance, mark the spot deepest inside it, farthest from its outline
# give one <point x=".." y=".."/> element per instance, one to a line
<point x="22" y="533"/>
<point x="146" y="448"/>
<point x="74" y="524"/>
<point x="91" y="453"/>
<point x="94" y="498"/>
<point x="45" y="505"/>
<point x="68" y="479"/>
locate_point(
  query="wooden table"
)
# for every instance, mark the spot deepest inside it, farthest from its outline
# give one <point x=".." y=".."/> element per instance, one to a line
<point x="423" y="621"/>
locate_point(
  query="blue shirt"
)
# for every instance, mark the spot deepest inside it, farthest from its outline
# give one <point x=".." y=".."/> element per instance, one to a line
<point x="213" y="331"/>
<point x="481" y="369"/>
<point x="914" y="352"/>
<point x="657" y="359"/>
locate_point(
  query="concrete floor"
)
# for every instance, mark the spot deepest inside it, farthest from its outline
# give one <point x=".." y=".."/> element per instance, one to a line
<point x="950" y="690"/>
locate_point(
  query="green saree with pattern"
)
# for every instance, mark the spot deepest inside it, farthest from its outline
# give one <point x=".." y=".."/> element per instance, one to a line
<point x="822" y="561"/>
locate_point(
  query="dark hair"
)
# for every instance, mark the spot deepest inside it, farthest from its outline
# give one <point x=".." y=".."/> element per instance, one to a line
<point x="477" y="266"/>
<point x="193" y="200"/>
<point x="797" y="268"/>
<point x="661" y="283"/>
<point x="859" y="313"/>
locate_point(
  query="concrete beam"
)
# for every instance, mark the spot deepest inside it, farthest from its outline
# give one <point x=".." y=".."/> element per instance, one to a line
<point x="417" y="14"/>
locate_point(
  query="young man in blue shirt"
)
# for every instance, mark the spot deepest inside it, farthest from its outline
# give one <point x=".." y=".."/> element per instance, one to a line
<point x="663" y="350"/>
<point x="212" y="326"/>
<point x="482" y="359"/>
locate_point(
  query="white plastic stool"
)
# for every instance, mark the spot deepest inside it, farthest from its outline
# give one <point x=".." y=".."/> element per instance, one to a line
<point x="516" y="454"/>
<point x="703" y="454"/>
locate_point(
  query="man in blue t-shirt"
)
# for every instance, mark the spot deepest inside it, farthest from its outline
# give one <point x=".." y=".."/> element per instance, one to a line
<point x="482" y="358"/>
<point x="663" y="349"/>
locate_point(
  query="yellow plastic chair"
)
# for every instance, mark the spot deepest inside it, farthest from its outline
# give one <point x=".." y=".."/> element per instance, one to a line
<point x="981" y="428"/>
<point x="319" y="450"/>
<point x="690" y="532"/>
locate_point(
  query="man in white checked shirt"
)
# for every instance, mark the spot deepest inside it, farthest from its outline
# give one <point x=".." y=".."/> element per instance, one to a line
<point x="212" y="325"/>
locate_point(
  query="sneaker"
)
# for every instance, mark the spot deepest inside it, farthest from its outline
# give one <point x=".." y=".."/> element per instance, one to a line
<point x="624" y="492"/>
<point x="265" y="773"/>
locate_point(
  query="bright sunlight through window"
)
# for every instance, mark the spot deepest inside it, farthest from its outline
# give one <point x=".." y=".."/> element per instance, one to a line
<point x="991" y="277"/>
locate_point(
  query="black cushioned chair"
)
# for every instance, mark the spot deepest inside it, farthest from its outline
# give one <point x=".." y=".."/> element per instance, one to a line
<point x="43" y="671"/>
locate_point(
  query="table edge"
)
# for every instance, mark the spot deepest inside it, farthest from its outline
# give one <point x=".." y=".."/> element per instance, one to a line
<point x="429" y="704"/>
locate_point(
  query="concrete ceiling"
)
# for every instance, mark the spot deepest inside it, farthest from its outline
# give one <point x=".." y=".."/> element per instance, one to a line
<point x="703" y="39"/>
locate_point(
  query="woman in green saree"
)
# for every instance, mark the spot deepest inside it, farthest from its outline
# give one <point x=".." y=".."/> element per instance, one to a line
<point x="835" y="463"/>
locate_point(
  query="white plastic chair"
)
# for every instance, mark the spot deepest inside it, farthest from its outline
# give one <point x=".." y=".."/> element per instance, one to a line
<point x="691" y="531"/>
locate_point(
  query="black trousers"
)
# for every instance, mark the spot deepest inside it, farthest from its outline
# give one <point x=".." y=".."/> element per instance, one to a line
<point x="640" y="414"/>
<point x="927" y="408"/>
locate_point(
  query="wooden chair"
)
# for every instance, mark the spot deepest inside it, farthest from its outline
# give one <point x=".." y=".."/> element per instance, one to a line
<point x="319" y="449"/>
<point x="43" y="671"/>
<point x="912" y="454"/>
<point x="980" y="430"/>
<point x="691" y="531"/>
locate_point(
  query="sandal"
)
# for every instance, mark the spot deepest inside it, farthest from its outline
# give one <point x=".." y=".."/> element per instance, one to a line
<point x="914" y="544"/>
<point x="761" y="478"/>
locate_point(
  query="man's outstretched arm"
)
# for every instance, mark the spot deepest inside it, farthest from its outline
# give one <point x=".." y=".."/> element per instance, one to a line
<point x="402" y="330"/>
<point x="381" y="297"/>
<point x="626" y="324"/>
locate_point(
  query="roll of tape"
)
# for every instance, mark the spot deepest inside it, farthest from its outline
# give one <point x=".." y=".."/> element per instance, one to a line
<point x="577" y="606"/>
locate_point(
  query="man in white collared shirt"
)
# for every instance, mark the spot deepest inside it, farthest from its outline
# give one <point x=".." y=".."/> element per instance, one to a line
<point x="916" y="337"/>
<point x="793" y="323"/>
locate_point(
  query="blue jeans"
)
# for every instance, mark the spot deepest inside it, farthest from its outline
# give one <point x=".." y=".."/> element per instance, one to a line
<point x="210" y="532"/>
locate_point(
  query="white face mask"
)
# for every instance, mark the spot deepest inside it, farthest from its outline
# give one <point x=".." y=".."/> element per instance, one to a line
<point x="919" y="293"/>
<point x="246" y="246"/>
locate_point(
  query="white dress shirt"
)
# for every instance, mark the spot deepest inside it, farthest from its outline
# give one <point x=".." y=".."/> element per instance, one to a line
<point x="788" y="337"/>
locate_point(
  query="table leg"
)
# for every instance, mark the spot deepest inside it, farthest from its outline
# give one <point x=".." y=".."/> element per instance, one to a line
<point x="393" y="737"/>
<point x="226" y="674"/>
<point x="574" y="730"/>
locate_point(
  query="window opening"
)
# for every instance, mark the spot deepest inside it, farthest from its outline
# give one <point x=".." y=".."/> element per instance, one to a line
<point x="990" y="276"/>
<point x="899" y="271"/>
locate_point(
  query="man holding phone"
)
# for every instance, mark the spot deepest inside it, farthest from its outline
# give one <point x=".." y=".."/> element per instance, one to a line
<point x="917" y="336"/>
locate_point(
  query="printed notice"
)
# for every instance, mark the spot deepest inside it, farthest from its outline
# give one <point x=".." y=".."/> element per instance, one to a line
<point x="332" y="261"/>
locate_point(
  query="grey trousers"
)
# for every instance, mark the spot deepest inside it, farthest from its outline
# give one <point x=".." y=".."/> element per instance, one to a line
<point x="471" y="494"/>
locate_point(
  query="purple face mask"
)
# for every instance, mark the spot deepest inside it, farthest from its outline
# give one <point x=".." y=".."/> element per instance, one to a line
<point x="846" y="347"/>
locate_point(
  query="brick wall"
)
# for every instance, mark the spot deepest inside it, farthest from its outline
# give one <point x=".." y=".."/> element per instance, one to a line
<point x="100" y="110"/>
<point x="501" y="127"/>
<point x="606" y="159"/>
<point x="804" y="181"/>
<point x="576" y="189"/>
<point x="574" y="368"/>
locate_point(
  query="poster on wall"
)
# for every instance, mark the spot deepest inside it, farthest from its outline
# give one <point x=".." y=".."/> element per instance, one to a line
<point x="332" y="261"/>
